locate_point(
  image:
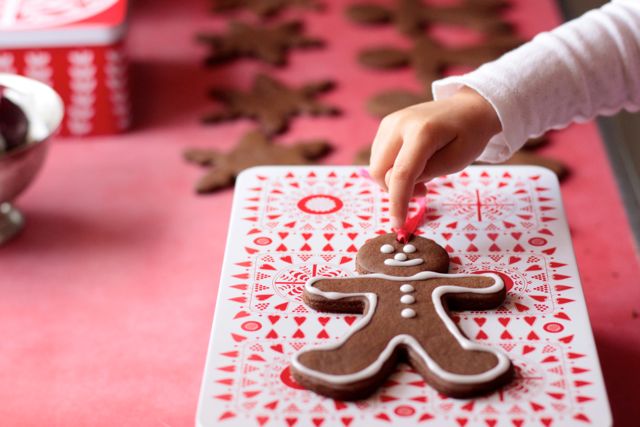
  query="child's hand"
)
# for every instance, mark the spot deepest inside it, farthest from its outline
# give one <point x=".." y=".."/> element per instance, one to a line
<point x="421" y="142"/>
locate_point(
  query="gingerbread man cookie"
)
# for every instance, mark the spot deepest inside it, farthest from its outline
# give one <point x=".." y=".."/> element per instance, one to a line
<point x="412" y="16"/>
<point x="272" y="103"/>
<point x="406" y="303"/>
<point x="269" y="44"/>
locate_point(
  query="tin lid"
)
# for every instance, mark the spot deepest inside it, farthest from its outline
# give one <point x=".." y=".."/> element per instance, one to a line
<point x="54" y="23"/>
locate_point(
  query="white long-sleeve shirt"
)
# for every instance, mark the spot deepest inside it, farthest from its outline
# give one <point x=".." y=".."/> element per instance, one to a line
<point x="587" y="67"/>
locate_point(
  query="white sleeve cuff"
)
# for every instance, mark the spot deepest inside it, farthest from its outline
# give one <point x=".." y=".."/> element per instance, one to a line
<point x="502" y="145"/>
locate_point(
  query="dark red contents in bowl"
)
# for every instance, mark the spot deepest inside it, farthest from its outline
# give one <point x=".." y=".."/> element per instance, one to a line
<point x="14" y="125"/>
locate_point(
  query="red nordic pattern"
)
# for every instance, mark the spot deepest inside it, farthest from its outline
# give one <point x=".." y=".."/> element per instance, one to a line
<point x="262" y="382"/>
<point x="533" y="281"/>
<point x="91" y="79"/>
<point x="261" y="321"/>
<point x="39" y="14"/>
<point x="288" y="283"/>
<point x="92" y="82"/>
<point x="489" y="203"/>
<point x="277" y="280"/>
<point x="308" y="202"/>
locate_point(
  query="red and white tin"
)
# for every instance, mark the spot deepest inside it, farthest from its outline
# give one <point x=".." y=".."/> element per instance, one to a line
<point x="77" y="48"/>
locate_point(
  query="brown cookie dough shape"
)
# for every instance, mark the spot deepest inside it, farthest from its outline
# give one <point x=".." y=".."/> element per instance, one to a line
<point x="267" y="43"/>
<point x="430" y="59"/>
<point x="412" y="16"/>
<point x="254" y="149"/>
<point x="406" y="302"/>
<point x="272" y="103"/>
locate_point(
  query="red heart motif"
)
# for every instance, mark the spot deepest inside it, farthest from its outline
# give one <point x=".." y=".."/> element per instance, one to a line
<point x="521" y="307"/>
<point x="282" y="307"/>
<point x="273" y="319"/>
<point x="323" y="334"/>
<point x="272" y="334"/>
<point x="349" y="319"/>
<point x="566" y="339"/>
<point x="241" y="314"/>
<point x="480" y="320"/>
<point x="238" y="338"/>
<point x="506" y="335"/>
<point x="527" y="349"/>
<point x="481" y="335"/>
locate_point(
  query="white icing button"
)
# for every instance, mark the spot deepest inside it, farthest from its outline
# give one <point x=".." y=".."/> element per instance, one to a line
<point x="408" y="313"/>
<point x="400" y="257"/>
<point x="407" y="299"/>
<point x="406" y="288"/>
<point x="409" y="249"/>
<point x="386" y="249"/>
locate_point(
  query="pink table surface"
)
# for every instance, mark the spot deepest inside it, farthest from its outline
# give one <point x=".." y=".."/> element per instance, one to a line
<point x="106" y="299"/>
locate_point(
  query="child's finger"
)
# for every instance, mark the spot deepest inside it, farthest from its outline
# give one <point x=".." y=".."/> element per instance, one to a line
<point x="409" y="164"/>
<point x="384" y="150"/>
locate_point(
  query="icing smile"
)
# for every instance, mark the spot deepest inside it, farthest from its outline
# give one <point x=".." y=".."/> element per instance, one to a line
<point x="401" y="259"/>
<point x="406" y="263"/>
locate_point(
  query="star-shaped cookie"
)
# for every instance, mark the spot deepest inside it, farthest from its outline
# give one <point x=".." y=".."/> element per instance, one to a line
<point x="266" y="43"/>
<point x="412" y="16"/>
<point x="254" y="149"/>
<point x="271" y="103"/>
<point x="430" y="60"/>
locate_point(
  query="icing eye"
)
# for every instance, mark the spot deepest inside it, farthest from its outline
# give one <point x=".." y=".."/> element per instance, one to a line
<point x="409" y="249"/>
<point x="400" y="257"/>
<point x="387" y="249"/>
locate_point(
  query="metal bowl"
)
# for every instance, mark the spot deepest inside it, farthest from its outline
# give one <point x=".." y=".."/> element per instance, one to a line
<point x="18" y="167"/>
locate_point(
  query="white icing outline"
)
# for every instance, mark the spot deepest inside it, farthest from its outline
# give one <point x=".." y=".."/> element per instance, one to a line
<point x="408" y="263"/>
<point x="400" y="256"/>
<point x="501" y="367"/>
